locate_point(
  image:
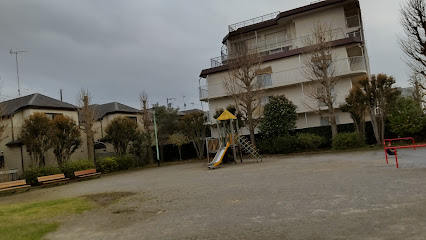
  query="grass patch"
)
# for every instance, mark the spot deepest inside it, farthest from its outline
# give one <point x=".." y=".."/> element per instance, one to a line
<point x="31" y="221"/>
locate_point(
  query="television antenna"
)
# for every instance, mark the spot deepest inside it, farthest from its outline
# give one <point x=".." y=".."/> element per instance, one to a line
<point x="17" y="66"/>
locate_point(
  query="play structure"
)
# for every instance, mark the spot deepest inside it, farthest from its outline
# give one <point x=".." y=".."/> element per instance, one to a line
<point x="389" y="141"/>
<point x="229" y="138"/>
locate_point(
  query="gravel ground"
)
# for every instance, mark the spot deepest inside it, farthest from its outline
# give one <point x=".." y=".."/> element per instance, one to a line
<point x="352" y="195"/>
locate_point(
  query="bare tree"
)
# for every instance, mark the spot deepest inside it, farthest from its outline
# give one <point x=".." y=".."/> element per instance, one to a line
<point x="146" y="119"/>
<point x="413" y="21"/>
<point x="241" y="82"/>
<point x="88" y="118"/>
<point x="321" y="72"/>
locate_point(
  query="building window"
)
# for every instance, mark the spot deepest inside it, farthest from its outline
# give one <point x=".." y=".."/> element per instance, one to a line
<point x="52" y="116"/>
<point x="324" y="121"/>
<point x="134" y="119"/>
<point x="264" y="80"/>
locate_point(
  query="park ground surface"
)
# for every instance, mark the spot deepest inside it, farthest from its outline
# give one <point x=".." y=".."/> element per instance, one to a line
<point x="350" y="195"/>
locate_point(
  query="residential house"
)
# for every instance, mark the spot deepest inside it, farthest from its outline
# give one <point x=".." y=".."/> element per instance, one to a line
<point x="105" y="113"/>
<point x="279" y="39"/>
<point x="14" y="112"/>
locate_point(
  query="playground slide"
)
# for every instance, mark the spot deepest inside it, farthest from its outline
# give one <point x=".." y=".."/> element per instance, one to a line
<point x="219" y="156"/>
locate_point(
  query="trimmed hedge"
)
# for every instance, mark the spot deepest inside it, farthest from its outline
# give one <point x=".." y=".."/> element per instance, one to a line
<point x="347" y="141"/>
<point x="125" y="162"/>
<point x="70" y="167"/>
<point x="33" y="172"/>
<point x="106" y="165"/>
<point x="112" y="164"/>
<point x="309" y="141"/>
<point x="291" y="144"/>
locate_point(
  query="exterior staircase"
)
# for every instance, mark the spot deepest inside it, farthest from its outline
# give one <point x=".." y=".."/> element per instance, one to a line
<point x="248" y="147"/>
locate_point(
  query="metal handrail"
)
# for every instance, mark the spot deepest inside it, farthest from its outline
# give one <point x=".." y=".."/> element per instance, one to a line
<point x="263" y="48"/>
<point x="266" y="17"/>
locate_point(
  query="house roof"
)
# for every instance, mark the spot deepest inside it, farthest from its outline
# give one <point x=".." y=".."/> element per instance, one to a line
<point x="186" y="112"/>
<point x="114" y="107"/>
<point x="35" y="101"/>
<point x="288" y="13"/>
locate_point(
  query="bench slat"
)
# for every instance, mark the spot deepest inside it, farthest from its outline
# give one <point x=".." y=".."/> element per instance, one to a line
<point x="84" y="172"/>
<point x="88" y="175"/>
<point x="51" y="177"/>
<point x="12" y="184"/>
<point x="14" y="188"/>
<point x="55" y="181"/>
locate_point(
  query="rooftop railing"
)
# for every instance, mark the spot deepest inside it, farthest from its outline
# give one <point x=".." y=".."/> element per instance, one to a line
<point x="273" y="45"/>
<point x="345" y="66"/>
<point x="235" y="26"/>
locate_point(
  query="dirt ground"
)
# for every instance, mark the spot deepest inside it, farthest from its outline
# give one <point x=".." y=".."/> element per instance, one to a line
<point x="352" y="195"/>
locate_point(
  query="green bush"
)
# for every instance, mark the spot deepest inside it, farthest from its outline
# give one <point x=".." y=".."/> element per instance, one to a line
<point x="284" y="145"/>
<point x="106" y="165"/>
<point x="125" y="162"/>
<point x="347" y="141"/>
<point x="32" y="173"/>
<point x="309" y="141"/>
<point x="70" y="167"/>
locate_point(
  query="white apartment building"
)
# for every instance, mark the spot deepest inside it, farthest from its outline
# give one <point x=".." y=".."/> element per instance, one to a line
<point x="279" y="38"/>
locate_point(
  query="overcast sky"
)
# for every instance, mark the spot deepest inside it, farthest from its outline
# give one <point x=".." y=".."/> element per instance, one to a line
<point x="116" y="49"/>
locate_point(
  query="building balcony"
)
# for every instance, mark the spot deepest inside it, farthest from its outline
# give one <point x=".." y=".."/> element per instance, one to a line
<point x="274" y="45"/>
<point x="343" y="67"/>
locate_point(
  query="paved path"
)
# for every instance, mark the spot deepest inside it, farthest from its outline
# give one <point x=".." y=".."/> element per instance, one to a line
<point x="320" y="196"/>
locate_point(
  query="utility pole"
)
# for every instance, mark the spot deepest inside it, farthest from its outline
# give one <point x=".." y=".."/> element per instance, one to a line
<point x="167" y="99"/>
<point x="17" y="67"/>
<point x="60" y="93"/>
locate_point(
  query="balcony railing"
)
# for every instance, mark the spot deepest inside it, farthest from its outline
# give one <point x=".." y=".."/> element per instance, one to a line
<point x="203" y="92"/>
<point x="292" y="76"/>
<point x="274" y="45"/>
<point x="353" y="21"/>
<point x="235" y="26"/>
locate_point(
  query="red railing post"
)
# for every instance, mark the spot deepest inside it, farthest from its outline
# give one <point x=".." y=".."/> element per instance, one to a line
<point x="396" y="158"/>
<point x="386" y="154"/>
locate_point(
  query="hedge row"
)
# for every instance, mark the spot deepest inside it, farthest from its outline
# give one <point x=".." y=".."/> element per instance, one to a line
<point x="104" y="165"/>
<point x="291" y="144"/>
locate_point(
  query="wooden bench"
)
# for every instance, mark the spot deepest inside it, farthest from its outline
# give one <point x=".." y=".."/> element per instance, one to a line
<point x="14" y="185"/>
<point x="87" y="173"/>
<point x="57" y="178"/>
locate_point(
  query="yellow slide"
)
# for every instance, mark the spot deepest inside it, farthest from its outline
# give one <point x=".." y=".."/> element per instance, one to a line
<point x="218" y="157"/>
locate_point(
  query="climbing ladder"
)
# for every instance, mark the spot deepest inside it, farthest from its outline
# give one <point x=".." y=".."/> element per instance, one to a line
<point x="248" y="147"/>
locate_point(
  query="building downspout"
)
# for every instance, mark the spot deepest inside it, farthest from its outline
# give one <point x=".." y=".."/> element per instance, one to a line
<point x="22" y="159"/>
<point x="102" y="129"/>
<point x="11" y="124"/>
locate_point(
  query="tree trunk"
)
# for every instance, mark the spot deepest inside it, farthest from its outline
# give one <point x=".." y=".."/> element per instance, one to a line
<point x="149" y="154"/>
<point x="180" y="154"/>
<point x="197" y="149"/>
<point x="375" y="125"/>
<point x="333" y="126"/>
<point x="251" y="130"/>
<point x="90" y="148"/>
